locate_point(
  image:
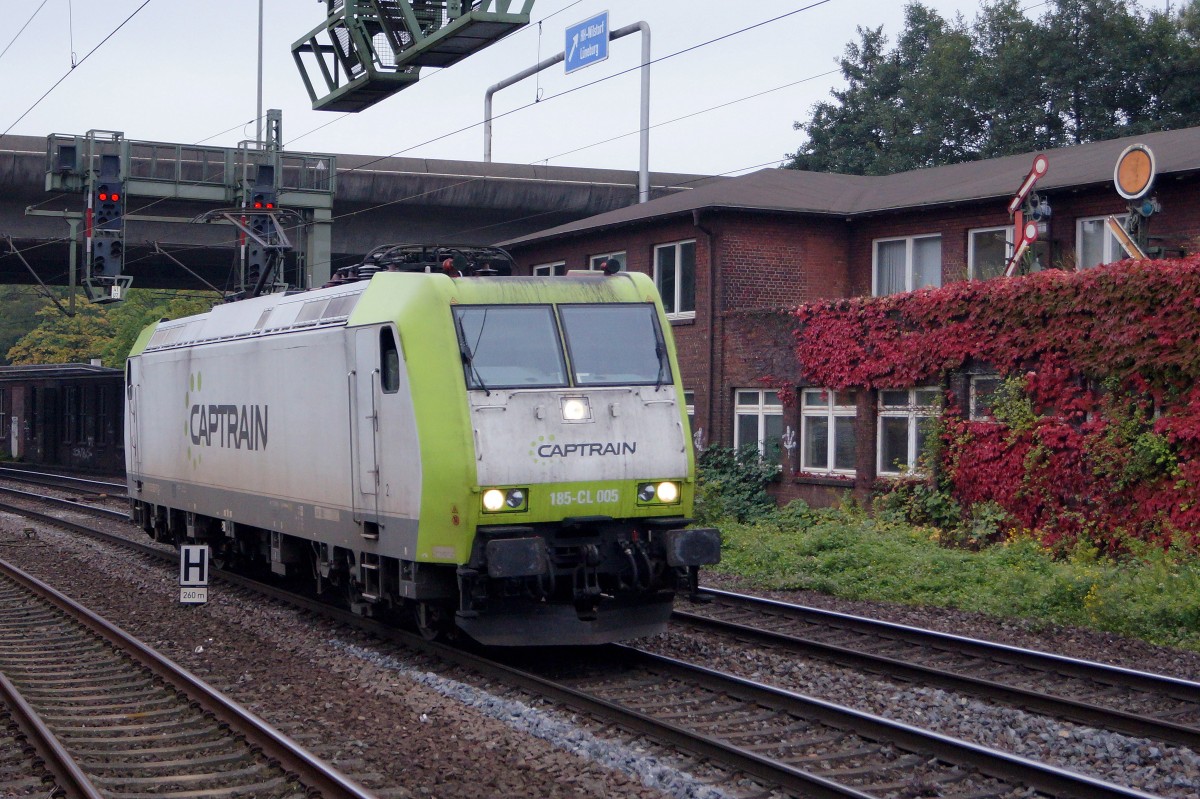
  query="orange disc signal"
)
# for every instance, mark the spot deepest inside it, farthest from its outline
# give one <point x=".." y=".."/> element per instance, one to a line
<point x="1134" y="173"/>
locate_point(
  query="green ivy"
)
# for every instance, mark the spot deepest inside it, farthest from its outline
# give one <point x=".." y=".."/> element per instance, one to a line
<point x="732" y="484"/>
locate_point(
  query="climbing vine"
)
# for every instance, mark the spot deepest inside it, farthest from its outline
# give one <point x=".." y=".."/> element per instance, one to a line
<point x="1095" y="434"/>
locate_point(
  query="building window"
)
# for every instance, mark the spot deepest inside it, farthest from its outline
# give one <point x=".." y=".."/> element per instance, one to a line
<point x="758" y="421"/>
<point x="1095" y="244"/>
<point x="689" y="400"/>
<point x="904" y="422"/>
<point x="72" y="416"/>
<point x="675" y="277"/>
<point x="983" y="396"/>
<point x="596" y="262"/>
<point x="101" y="416"/>
<point x="906" y="264"/>
<point x="988" y="250"/>
<point x="557" y="269"/>
<point x="827" y="441"/>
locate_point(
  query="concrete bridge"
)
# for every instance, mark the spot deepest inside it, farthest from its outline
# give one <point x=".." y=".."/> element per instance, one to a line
<point x="375" y="200"/>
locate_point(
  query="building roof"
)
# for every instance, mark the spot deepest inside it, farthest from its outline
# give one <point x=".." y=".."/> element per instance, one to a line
<point x="55" y="371"/>
<point x="832" y="194"/>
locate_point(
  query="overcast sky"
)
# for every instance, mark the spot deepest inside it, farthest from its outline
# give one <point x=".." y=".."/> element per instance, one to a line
<point x="187" y="73"/>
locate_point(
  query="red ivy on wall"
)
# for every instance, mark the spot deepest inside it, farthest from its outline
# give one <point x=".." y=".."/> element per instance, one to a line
<point x="1097" y="352"/>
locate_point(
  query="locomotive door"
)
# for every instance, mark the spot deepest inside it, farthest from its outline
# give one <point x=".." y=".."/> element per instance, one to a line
<point x="365" y="421"/>
<point x="131" y="399"/>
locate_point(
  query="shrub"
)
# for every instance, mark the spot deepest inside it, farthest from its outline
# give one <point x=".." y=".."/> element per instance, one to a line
<point x="732" y="484"/>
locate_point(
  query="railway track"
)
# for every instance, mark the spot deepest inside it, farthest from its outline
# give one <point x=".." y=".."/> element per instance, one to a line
<point x="24" y="767"/>
<point x="804" y="746"/>
<point x="776" y="738"/>
<point x="85" y="485"/>
<point x="1136" y="703"/>
<point x="120" y="720"/>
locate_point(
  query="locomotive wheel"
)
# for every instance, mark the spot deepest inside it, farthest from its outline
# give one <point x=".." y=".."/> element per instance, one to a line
<point x="432" y="621"/>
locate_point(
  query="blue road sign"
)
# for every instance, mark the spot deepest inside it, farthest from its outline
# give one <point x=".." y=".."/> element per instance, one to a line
<point x="587" y="42"/>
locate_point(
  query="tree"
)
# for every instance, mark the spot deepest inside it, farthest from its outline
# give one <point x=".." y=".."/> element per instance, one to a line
<point x="850" y="134"/>
<point x="1090" y="64"/>
<point x="106" y="332"/>
<point x="1012" y="105"/>
<point x="20" y="305"/>
<point x="948" y="92"/>
<point x="63" y="339"/>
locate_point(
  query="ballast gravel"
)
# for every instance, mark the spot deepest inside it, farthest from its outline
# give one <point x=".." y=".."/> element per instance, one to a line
<point x="408" y="726"/>
<point x="383" y="716"/>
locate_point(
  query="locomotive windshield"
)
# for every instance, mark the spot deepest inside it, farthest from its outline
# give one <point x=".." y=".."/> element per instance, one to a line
<point x="510" y="346"/>
<point x="615" y="345"/>
<point x="518" y="346"/>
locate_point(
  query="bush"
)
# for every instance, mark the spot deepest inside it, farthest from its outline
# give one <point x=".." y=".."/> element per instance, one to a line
<point x="732" y="485"/>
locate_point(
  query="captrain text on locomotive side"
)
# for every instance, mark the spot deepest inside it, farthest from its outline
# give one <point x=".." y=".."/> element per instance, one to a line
<point x="431" y="435"/>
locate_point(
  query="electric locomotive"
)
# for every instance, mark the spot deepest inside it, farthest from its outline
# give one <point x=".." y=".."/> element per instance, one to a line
<point x="505" y="456"/>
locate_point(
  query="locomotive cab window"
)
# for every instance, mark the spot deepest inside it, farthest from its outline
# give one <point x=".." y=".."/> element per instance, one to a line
<point x="615" y="345"/>
<point x="389" y="362"/>
<point x="509" y="346"/>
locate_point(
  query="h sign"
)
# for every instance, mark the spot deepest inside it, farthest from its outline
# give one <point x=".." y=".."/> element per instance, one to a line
<point x="193" y="573"/>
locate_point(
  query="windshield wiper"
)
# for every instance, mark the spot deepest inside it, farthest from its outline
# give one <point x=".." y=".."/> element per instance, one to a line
<point x="468" y="358"/>
<point x="660" y="351"/>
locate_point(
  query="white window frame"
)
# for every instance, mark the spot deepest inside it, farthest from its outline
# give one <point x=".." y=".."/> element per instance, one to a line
<point x="677" y="300"/>
<point x="1112" y="250"/>
<point x="762" y="409"/>
<point x="551" y="269"/>
<point x="594" y="261"/>
<point x="908" y="261"/>
<point x="977" y="413"/>
<point x="1008" y="246"/>
<point x="689" y="402"/>
<point x="830" y="412"/>
<point x="913" y="413"/>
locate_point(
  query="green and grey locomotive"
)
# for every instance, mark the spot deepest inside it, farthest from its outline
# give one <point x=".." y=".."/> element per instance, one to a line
<point x="509" y="456"/>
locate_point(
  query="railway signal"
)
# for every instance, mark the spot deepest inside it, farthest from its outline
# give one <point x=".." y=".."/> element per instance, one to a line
<point x="105" y="230"/>
<point x="1029" y="212"/>
<point x="1133" y="178"/>
<point x="261" y="243"/>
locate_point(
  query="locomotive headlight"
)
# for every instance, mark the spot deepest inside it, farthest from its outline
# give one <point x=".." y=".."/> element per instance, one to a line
<point x="664" y="493"/>
<point x="493" y="499"/>
<point x="667" y="492"/>
<point x="576" y="409"/>
<point x="496" y="500"/>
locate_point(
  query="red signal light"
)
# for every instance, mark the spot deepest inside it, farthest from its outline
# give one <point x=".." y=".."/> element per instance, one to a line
<point x="258" y="205"/>
<point x="115" y="197"/>
<point x="103" y="197"/>
<point x="270" y="205"/>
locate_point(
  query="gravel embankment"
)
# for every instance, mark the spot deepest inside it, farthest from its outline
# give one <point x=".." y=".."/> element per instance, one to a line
<point x="417" y="727"/>
<point x="403" y="725"/>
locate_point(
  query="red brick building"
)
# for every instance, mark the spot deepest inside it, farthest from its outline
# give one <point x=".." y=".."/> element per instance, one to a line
<point x="730" y="257"/>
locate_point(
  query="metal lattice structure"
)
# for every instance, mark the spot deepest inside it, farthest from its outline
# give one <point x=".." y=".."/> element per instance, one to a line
<point x="367" y="50"/>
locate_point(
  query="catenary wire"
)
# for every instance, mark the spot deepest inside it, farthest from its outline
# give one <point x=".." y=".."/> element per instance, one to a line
<point x="583" y="86"/>
<point x="23" y="27"/>
<point x="73" y="66"/>
<point x="569" y="91"/>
